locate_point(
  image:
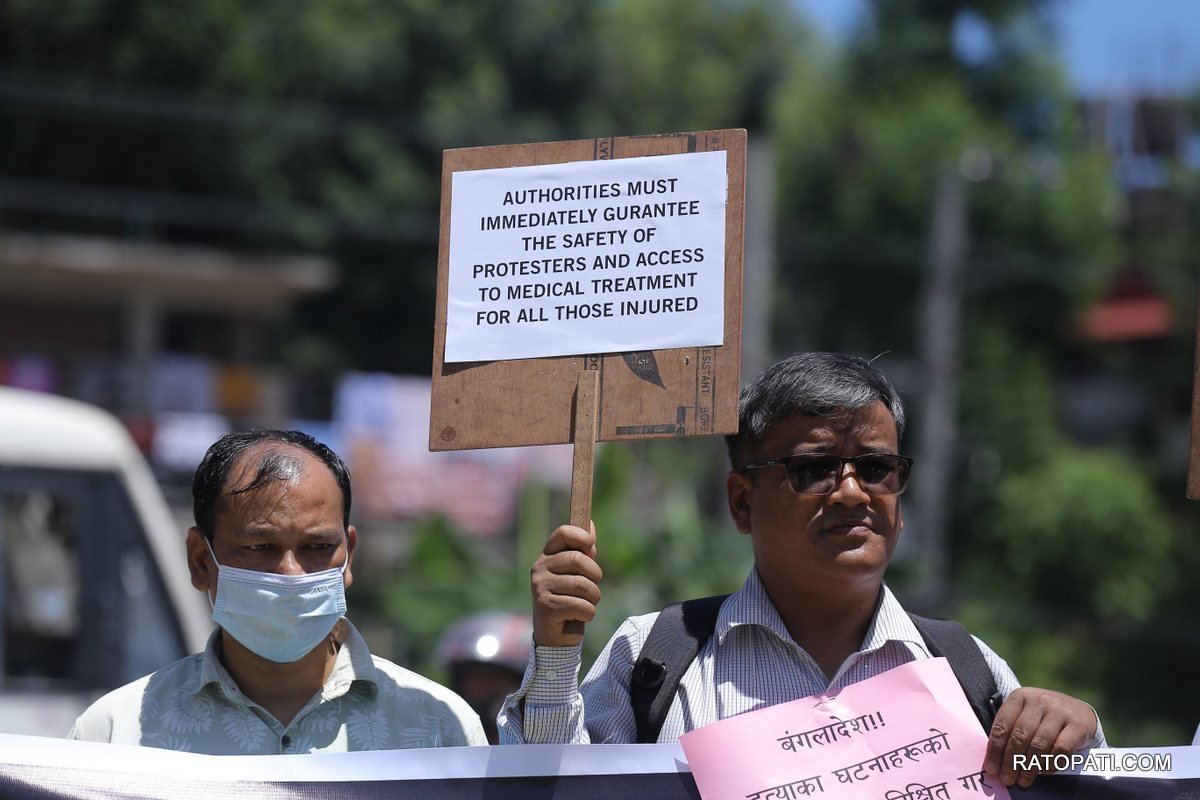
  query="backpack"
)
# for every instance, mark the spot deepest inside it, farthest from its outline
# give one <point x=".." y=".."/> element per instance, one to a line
<point x="681" y="629"/>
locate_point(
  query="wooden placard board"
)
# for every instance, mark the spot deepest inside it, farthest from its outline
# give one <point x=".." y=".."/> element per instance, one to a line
<point x="1193" y="484"/>
<point x="689" y="391"/>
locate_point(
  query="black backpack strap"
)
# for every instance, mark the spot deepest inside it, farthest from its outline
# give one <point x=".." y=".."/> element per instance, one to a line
<point x="682" y="628"/>
<point x="945" y="637"/>
<point x="670" y="648"/>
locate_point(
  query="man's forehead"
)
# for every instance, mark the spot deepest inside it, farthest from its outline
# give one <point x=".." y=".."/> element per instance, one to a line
<point x="275" y="470"/>
<point x="252" y="457"/>
<point x="288" y="464"/>
<point x="870" y="420"/>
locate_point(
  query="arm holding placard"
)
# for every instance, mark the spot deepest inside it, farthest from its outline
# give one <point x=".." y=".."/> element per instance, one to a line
<point x="549" y="706"/>
<point x="565" y="581"/>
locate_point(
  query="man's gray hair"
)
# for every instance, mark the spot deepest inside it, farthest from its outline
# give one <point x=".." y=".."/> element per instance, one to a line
<point x="808" y="385"/>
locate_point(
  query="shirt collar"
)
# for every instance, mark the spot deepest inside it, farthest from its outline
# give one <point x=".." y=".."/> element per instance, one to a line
<point x="213" y="672"/>
<point x="891" y="623"/>
<point x="354" y="664"/>
<point x="751" y="606"/>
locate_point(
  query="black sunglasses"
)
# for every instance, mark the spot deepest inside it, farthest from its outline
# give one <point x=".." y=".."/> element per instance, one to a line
<point x="821" y="473"/>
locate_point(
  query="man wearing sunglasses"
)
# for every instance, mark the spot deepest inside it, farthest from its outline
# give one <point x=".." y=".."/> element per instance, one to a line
<point x="816" y="481"/>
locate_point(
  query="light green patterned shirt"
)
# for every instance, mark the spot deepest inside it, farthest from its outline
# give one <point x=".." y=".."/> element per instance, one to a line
<point x="368" y="703"/>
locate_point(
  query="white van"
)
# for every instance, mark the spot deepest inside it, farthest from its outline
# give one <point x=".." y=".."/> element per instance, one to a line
<point x="94" y="587"/>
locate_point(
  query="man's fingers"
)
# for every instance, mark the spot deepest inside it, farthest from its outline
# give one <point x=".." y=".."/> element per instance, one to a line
<point x="571" y="538"/>
<point x="565" y="582"/>
<point x="993" y="758"/>
<point x="1074" y="737"/>
<point x="562" y="607"/>
<point x="1032" y="727"/>
<point x="1057" y="735"/>
<point x="549" y="587"/>
<point x="570" y="562"/>
<point x="1040" y="742"/>
<point x="1021" y="739"/>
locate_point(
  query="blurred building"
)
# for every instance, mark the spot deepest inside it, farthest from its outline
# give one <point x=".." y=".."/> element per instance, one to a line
<point x="1147" y="138"/>
<point x="1144" y="135"/>
<point x="1150" y="140"/>
<point x="175" y="340"/>
<point x="147" y="329"/>
<point x="94" y="308"/>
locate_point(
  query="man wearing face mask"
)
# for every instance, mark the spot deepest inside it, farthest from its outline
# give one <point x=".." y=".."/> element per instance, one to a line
<point x="285" y="671"/>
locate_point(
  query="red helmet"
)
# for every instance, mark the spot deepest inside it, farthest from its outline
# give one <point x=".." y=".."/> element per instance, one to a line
<point x="489" y="637"/>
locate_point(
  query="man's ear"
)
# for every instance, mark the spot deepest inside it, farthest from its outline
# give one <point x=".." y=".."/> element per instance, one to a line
<point x="200" y="563"/>
<point x="737" y="489"/>
<point x="351" y="542"/>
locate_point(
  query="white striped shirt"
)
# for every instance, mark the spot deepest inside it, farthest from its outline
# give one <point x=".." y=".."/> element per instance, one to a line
<point x="750" y="662"/>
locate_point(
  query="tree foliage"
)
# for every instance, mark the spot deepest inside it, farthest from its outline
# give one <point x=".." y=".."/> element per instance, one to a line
<point x="319" y="126"/>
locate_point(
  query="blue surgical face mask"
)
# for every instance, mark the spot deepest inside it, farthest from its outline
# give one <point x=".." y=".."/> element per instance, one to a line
<point x="279" y="617"/>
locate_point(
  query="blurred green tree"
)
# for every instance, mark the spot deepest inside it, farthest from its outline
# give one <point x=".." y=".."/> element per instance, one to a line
<point x="1061" y="554"/>
<point x="320" y="125"/>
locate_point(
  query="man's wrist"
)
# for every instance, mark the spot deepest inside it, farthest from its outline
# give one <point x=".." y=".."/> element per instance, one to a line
<point x="555" y="675"/>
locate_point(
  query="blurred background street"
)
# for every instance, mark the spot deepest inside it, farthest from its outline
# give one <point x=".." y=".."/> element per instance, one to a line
<point x="217" y="215"/>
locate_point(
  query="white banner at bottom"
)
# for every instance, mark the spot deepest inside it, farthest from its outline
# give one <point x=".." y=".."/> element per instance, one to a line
<point x="37" y="768"/>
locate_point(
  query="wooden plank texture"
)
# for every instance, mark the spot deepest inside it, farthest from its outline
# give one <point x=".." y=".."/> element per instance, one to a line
<point x="689" y="391"/>
<point x="583" y="457"/>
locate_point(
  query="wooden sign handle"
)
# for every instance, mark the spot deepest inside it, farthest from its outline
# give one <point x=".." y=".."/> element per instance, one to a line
<point x="583" y="456"/>
<point x="583" y="459"/>
<point x="1193" y="484"/>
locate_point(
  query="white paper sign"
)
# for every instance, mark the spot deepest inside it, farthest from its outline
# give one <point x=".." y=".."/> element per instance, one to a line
<point x="587" y="257"/>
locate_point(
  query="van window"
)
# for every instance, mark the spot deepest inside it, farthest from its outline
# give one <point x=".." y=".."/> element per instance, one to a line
<point x="82" y="604"/>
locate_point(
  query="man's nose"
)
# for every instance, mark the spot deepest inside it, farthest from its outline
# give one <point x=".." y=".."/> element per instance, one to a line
<point x="289" y="564"/>
<point x="848" y="490"/>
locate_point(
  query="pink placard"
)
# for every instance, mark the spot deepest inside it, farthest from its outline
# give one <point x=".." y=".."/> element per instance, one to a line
<point x="906" y="734"/>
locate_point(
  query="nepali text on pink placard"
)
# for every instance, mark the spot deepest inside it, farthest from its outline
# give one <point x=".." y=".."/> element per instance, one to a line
<point x="905" y="734"/>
